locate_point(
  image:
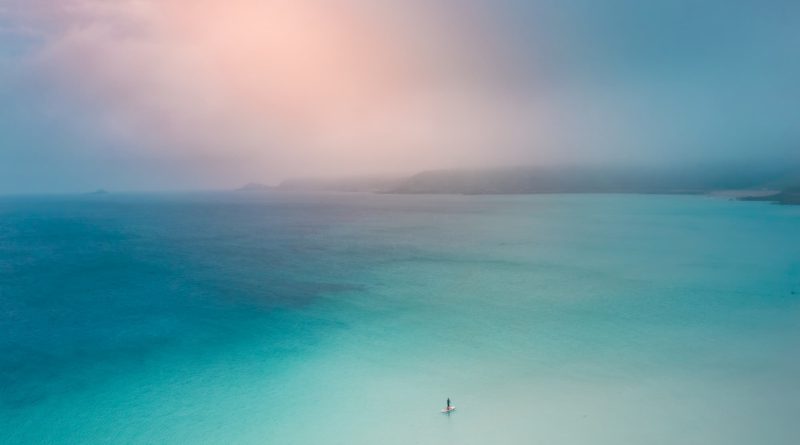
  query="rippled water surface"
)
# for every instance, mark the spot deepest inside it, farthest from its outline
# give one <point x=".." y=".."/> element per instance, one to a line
<point x="350" y="318"/>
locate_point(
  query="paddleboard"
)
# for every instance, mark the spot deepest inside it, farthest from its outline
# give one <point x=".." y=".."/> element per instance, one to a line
<point x="448" y="410"/>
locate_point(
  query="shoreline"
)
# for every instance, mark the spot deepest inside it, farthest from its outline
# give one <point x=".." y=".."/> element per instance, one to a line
<point x="785" y="197"/>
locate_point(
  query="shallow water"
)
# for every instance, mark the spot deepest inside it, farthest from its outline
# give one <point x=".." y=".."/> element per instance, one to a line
<point x="350" y="318"/>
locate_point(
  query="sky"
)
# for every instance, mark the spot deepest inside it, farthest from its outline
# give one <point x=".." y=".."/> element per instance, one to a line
<point x="201" y="94"/>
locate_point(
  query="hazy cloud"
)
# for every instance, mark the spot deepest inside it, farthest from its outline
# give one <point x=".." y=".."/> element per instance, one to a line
<point x="214" y="93"/>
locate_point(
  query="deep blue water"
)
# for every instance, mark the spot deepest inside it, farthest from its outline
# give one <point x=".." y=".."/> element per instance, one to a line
<point x="349" y="318"/>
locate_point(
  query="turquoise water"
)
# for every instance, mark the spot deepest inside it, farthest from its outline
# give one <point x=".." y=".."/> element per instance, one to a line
<point x="350" y="318"/>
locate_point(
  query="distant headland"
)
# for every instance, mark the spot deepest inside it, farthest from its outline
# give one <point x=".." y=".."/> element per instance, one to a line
<point x="780" y="184"/>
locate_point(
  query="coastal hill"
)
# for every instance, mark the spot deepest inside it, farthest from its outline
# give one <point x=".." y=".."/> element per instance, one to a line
<point x="779" y="183"/>
<point x="688" y="179"/>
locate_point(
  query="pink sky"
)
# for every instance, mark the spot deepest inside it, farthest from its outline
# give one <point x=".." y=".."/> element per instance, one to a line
<point x="307" y="87"/>
<point x="223" y="92"/>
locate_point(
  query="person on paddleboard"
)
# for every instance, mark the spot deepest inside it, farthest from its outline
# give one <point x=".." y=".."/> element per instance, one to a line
<point x="448" y="403"/>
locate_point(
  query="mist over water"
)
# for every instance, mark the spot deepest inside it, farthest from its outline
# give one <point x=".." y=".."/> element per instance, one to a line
<point x="350" y="318"/>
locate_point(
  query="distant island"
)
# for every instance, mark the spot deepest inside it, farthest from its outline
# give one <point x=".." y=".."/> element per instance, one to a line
<point x="780" y="184"/>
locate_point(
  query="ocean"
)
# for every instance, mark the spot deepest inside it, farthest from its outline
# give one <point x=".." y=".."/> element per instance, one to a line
<point x="293" y="318"/>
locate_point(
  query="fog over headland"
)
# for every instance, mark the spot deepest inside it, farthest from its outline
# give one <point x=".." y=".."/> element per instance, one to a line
<point x="155" y="94"/>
